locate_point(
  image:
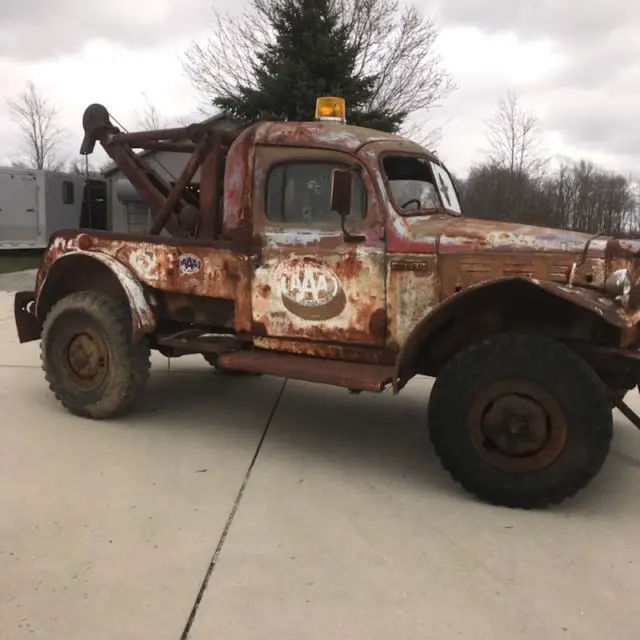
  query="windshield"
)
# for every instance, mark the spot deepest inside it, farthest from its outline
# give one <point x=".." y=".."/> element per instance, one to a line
<point x="418" y="183"/>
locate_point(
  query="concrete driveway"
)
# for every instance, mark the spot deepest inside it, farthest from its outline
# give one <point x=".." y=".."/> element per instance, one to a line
<point x="252" y="509"/>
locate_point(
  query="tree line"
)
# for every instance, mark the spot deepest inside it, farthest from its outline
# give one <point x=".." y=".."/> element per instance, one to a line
<point x="275" y="58"/>
<point x="516" y="182"/>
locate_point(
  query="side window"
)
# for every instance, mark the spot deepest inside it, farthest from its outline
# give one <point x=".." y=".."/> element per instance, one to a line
<point x="300" y="193"/>
<point x="446" y="188"/>
<point x="67" y="192"/>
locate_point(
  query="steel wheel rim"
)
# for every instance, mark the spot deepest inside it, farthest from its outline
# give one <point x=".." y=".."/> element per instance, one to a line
<point x="517" y="426"/>
<point x="86" y="359"/>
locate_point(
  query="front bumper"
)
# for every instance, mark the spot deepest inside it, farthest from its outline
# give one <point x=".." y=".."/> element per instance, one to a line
<point x="24" y="310"/>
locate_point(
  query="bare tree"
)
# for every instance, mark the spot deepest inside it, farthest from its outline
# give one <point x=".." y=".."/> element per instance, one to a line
<point x="105" y="166"/>
<point x="149" y="117"/>
<point x="40" y="133"/>
<point x="395" y="44"/>
<point x="578" y="195"/>
<point x="513" y="156"/>
<point x="81" y="166"/>
<point x="513" y="137"/>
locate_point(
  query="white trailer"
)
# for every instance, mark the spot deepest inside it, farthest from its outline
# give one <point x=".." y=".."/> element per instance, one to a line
<point x="36" y="203"/>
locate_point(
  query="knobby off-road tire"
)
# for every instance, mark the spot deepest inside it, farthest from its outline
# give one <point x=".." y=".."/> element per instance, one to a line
<point x="89" y="360"/>
<point x="520" y="421"/>
<point x="212" y="359"/>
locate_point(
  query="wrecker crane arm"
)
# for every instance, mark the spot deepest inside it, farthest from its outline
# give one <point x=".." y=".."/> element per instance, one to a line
<point x="182" y="213"/>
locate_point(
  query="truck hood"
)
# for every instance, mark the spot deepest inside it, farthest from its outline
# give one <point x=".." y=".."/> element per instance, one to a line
<point x="463" y="235"/>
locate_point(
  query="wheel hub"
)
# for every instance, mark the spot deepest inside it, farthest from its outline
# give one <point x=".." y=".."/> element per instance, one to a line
<point x="517" y="426"/>
<point x="86" y="360"/>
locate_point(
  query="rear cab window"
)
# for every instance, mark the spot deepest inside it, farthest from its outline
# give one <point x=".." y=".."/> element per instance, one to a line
<point x="299" y="193"/>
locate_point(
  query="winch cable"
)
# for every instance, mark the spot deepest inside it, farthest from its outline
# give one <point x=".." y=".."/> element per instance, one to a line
<point x="87" y="193"/>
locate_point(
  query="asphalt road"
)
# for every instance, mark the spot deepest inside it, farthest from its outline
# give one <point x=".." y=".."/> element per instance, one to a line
<point x="239" y="509"/>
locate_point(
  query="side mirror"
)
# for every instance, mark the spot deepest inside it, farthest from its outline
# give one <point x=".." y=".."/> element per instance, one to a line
<point x="341" y="180"/>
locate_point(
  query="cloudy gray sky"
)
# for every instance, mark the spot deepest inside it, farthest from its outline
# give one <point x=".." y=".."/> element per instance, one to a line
<point x="574" y="63"/>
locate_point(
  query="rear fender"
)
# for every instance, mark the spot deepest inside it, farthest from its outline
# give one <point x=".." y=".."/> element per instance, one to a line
<point x="589" y="300"/>
<point x="143" y="320"/>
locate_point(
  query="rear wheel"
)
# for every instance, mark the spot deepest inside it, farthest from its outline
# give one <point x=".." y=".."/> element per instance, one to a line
<point x="212" y="359"/>
<point x="520" y="421"/>
<point x="89" y="360"/>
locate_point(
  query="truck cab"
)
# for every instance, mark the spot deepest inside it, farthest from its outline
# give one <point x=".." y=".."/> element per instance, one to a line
<point x="332" y="261"/>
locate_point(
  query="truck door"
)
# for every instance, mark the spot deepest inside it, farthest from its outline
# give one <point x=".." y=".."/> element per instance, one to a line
<point x="309" y="282"/>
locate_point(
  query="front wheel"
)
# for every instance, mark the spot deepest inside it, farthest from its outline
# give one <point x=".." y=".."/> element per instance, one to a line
<point x="520" y="421"/>
<point x="89" y="360"/>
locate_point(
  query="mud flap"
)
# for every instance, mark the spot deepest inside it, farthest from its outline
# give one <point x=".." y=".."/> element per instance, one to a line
<point x="27" y="325"/>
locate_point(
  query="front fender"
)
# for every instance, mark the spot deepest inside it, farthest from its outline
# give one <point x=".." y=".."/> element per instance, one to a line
<point x="143" y="319"/>
<point x="590" y="300"/>
<point x="595" y="301"/>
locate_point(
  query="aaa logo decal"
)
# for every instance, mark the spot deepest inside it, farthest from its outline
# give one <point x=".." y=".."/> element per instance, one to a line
<point x="309" y="290"/>
<point x="189" y="264"/>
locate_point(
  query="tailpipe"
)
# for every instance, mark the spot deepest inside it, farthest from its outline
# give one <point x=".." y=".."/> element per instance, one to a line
<point x="96" y="125"/>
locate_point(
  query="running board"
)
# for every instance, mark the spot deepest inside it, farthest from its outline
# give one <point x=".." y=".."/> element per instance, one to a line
<point x="198" y="341"/>
<point x="351" y="375"/>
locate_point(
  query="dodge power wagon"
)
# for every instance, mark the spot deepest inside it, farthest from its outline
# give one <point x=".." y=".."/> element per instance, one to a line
<point x="330" y="253"/>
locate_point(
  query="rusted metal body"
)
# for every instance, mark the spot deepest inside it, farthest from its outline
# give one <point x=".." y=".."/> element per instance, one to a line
<point x="415" y="288"/>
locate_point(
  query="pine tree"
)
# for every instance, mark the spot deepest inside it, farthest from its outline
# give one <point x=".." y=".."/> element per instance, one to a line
<point x="311" y="56"/>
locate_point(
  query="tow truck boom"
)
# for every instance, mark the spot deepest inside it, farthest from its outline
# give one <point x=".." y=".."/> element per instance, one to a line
<point x="173" y="208"/>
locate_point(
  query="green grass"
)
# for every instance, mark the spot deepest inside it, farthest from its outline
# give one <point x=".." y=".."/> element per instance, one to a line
<point x="19" y="260"/>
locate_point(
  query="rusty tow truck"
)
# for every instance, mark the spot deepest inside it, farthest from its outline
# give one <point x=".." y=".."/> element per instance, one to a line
<point x="325" y="252"/>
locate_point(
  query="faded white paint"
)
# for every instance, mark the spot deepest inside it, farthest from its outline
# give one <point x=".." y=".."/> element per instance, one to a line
<point x="144" y="263"/>
<point x="296" y="237"/>
<point x="63" y="244"/>
<point x="142" y="317"/>
<point x="411" y="293"/>
<point x="343" y="137"/>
